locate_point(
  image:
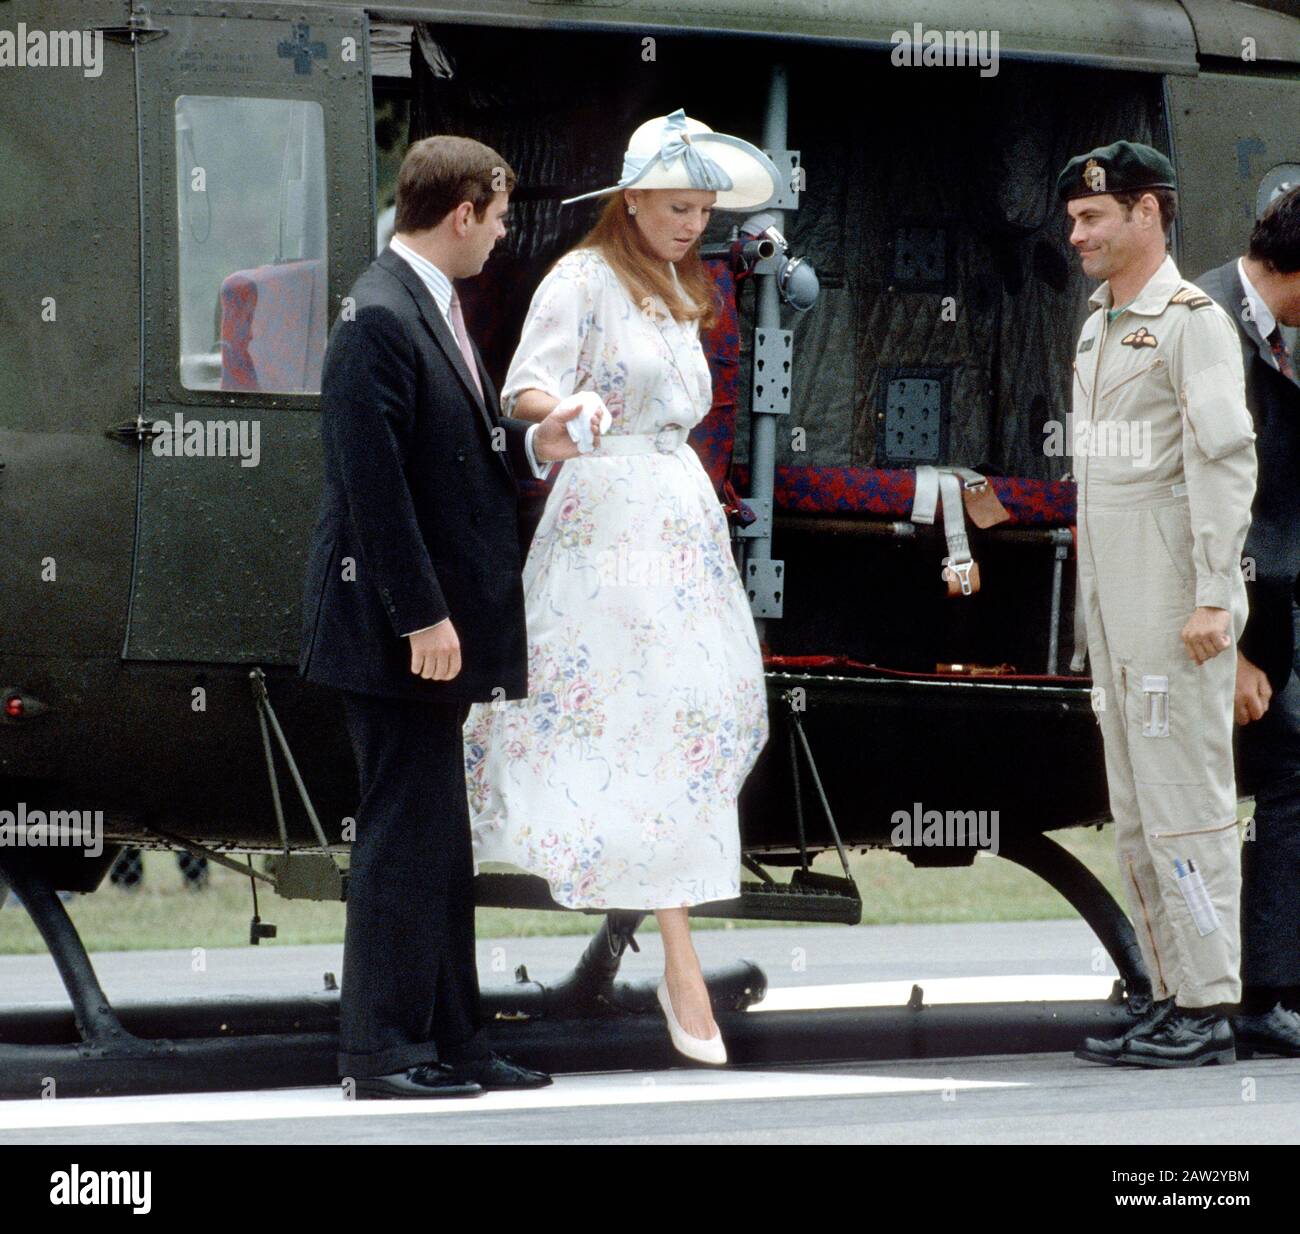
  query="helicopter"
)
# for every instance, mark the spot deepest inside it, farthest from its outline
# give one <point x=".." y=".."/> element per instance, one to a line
<point x="194" y="187"/>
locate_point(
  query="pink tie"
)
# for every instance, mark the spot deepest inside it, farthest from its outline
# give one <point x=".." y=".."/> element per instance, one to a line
<point x="462" y="338"/>
<point x="1279" y="353"/>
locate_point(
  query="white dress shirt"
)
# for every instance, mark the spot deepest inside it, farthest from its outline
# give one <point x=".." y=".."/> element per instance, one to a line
<point x="439" y="287"/>
<point x="1264" y="318"/>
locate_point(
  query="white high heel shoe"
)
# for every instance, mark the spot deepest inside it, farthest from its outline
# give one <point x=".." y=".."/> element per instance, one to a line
<point x="710" y="1050"/>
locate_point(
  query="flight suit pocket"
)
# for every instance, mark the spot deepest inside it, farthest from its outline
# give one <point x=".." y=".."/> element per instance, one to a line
<point x="1174" y="530"/>
<point x="1163" y="703"/>
<point x="1128" y="378"/>
<point x="1214" y="402"/>
<point x="1078" y="377"/>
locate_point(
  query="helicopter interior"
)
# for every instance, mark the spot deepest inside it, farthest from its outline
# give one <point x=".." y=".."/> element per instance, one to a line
<point x="942" y="335"/>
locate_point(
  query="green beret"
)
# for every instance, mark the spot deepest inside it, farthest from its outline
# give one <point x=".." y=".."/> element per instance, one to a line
<point x="1118" y="168"/>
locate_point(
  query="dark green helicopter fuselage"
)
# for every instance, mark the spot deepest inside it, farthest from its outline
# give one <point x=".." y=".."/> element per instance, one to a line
<point x="142" y="587"/>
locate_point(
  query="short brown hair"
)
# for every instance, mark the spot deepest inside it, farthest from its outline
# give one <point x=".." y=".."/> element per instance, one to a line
<point x="1275" y="242"/>
<point x="438" y="173"/>
<point x="1167" y="199"/>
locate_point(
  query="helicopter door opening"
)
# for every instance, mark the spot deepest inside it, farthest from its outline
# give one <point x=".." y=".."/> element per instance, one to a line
<point x="256" y="173"/>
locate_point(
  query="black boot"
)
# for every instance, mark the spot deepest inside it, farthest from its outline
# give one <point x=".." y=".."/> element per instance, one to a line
<point x="1189" y="1037"/>
<point x="1271" y="1032"/>
<point x="1107" y="1049"/>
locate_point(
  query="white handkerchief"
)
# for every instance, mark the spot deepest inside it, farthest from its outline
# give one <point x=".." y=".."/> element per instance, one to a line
<point x="580" y="426"/>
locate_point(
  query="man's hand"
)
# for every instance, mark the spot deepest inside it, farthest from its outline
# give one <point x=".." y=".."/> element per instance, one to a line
<point x="1253" y="692"/>
<point x="553" y="443"/>
<point x="1206" y="633"/>
<point x="435" y="652"/>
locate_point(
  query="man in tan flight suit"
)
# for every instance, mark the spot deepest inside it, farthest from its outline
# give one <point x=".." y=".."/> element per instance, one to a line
<point x="1165" y="462"/>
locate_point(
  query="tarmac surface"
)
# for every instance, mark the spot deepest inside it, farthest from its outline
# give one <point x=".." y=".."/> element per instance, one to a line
<point x="1011" y="1099"/>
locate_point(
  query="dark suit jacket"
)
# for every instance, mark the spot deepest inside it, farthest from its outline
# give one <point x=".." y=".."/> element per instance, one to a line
<point x="1273" y="541"/>
<point x="419" y="501"/>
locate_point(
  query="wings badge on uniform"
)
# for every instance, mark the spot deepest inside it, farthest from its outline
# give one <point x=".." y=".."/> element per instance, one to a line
<point x="1141" y="337"/>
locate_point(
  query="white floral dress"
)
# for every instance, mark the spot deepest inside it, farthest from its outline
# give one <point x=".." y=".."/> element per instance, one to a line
<point x="616" y="779"/>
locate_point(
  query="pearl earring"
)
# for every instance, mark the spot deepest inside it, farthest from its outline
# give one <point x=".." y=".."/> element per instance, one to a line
<point x="631" y="209"/>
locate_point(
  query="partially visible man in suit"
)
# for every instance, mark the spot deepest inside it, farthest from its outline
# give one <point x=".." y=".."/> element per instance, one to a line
<point x="414" y="608"/>
<point x="1261" y="293"/>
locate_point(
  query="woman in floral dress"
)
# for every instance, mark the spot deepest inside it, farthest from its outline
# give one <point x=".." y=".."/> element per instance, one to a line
<point x="616" y="779"/>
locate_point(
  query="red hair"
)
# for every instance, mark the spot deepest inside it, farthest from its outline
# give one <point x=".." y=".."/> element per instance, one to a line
<point x="617" y="238"/>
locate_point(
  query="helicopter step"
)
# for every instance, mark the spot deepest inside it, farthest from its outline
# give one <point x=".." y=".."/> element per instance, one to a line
<point x="808" y="896"/>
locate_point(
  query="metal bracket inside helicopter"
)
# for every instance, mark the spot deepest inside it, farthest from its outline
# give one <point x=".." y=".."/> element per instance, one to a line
<point x="910" y="303"/>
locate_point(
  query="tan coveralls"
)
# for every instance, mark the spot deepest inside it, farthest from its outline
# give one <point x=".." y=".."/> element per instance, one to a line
<point x="1165" y="461"/>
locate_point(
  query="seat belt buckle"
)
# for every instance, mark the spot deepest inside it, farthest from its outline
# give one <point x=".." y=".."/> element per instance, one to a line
<point x="962" y="577"/>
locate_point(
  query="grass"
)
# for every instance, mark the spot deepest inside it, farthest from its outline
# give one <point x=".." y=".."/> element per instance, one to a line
<point x="162" y="913"/>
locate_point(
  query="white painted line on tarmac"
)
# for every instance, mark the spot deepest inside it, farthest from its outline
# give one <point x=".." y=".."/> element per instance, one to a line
<point x="939" y="990"/>
<point x="568" y="1092"/>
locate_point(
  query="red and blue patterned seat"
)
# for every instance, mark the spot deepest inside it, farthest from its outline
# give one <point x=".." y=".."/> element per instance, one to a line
<point x="882" y="492"/>
<point x="273" y="321"/>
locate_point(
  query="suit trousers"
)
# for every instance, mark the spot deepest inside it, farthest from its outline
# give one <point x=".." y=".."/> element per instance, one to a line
<point x="410" y="984"/>
<point x="1269" y="756"/>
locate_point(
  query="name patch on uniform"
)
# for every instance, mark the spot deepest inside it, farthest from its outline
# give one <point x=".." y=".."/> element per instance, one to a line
<point x="1087" y="343"/>
<point x="1141" y="337"/>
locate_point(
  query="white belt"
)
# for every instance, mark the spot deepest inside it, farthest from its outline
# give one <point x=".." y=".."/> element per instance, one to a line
<point x="667" y="440"/>
<point x="930" y="481"/>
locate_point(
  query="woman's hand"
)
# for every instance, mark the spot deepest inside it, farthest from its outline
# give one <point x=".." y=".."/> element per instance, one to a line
<point x="553" y="442"/>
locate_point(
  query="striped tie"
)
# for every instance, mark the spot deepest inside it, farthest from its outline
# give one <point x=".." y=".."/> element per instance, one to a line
<point x="1280" y="354"/>
<point x="462" y="338"/>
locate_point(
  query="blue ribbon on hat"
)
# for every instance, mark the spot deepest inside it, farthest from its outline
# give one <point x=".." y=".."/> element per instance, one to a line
<point x="701" y="171"/>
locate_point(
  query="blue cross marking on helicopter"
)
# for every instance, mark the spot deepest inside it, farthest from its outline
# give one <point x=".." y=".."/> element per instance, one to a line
<point x="300" y="49"/>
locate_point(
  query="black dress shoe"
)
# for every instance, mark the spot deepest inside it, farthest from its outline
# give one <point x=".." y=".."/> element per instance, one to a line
<point x="1188" y="1037"/>
<point x="422" y="1082"/>
<point x="1273" y="1032"/>
<point x="496" y="1071"/>
<point x="1108" y="1049"/>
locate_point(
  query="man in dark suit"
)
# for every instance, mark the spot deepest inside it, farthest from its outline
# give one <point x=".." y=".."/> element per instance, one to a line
<point x="414" y="608"/>
<point x="1261" y="292"/>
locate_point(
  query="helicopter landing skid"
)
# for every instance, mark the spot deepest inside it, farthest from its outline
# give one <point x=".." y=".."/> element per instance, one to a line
<point x="586" y="1022"/>
<point x="590" y="989"/>
<point x="250" y="1044"/>
<point x="108" y="1058"/>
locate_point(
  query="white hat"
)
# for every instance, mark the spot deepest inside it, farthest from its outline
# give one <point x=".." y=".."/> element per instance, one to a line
<point x="676" y="152"/>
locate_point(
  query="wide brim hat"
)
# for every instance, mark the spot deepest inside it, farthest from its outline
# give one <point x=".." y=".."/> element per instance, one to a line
<point x="677" y="152"/>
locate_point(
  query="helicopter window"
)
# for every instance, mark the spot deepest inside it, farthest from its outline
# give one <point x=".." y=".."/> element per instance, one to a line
<point x="251" y="220"/>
